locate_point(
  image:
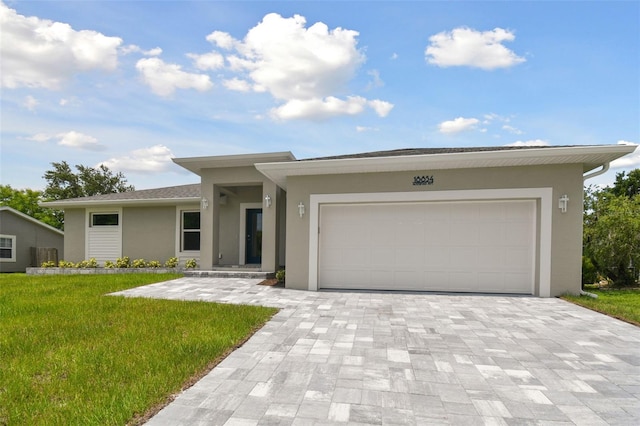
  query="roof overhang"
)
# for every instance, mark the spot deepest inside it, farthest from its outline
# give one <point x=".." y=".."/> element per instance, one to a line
<point x="590" y="156"/>
<point x="197" y="164"/>
<point x="80" y="203"/>
<point x="31" y="219"/>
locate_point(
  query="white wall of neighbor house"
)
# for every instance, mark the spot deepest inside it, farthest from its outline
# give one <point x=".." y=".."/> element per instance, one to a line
<point x="564" y="265"/>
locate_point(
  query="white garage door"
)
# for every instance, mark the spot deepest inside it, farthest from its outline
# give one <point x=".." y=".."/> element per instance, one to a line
<point x="475" y="246"/>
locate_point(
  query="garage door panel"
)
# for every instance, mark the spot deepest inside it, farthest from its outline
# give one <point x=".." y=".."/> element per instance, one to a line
<point x="479" y="246"/>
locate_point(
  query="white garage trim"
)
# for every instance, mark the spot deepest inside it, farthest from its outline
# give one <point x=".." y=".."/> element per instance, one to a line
<point x="543" y="194"/>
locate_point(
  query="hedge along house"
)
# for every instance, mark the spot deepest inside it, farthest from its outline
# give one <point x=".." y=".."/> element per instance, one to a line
<point x="489" y="220"/>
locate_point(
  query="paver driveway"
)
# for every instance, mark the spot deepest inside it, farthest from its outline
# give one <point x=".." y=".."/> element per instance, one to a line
<point x="393" y="358"/>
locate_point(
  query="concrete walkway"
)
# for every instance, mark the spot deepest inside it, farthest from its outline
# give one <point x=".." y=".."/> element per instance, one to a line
<point x="391" y="358"/>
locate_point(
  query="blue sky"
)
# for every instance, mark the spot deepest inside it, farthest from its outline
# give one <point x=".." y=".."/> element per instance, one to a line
<point x="131" y="84"/>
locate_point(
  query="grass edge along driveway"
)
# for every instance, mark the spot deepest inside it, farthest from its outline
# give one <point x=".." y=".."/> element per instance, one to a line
<point x="620" y="303"/>
<point x="71" y="355"/>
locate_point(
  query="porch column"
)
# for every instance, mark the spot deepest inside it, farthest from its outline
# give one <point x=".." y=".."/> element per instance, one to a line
<point x="209" y="224"/>
<point x="269" y="227"/>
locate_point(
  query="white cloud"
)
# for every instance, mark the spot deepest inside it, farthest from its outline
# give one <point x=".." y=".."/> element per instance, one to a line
<point x="457" y="125"/>
<point x="42" y="53"/>
<point x="153" y="159"/>
<point x="132" y="48"/>
<point x="39" y="137"/>
<point x="361" y="129"/>
<point x="532" y="142"/>
<point x="221" y="39"/>
<point x="207" y="61"/>
<point x="376" y="81"/>
<point x="512" y="129"/>
<point x="237" y="85"/>
<point x="306" y="68"/>
<point x="629" y="161"/>
<point x="70" y="139"/>
<point x="382" y="108"/>
<point x="30" y="103"/>
<point x="468" y="47"/>
<point x="319" y="108"/>
<point x="79" y="140"/>
<point x="165" y="78"/>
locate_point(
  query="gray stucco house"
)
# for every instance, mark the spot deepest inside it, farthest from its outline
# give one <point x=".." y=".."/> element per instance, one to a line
<point x="20" y="236"/>
<point x="490" y="220"/>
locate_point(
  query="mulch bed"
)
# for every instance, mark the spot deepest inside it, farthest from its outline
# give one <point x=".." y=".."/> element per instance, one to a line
<point x="271" y="282"/>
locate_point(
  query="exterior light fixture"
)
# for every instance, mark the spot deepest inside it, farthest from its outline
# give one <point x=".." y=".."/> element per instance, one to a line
<point x="563" y="202"/>
<point x="204" y="203"/>
<point x="267" y="200"/>
<point x="301" y="209"/>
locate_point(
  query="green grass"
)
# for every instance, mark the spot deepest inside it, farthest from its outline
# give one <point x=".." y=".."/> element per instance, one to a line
<point x="623" y="304"/>
<point x="71" y="355"/>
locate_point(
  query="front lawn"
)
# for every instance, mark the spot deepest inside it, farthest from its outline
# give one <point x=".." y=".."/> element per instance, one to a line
<point x="623" y="304"/>
<point x="71" y="355"/>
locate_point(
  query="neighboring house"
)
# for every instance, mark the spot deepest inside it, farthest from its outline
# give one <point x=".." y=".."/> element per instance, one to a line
<point x="20" y="236"/>
<point x="489" y="220"/>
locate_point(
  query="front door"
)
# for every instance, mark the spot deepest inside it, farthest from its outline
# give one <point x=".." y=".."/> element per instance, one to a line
<point x="253" y="246"/>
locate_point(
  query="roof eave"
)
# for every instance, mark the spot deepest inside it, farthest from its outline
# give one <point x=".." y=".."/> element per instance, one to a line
<point x="62" y="204"/>
<point x="197" y="164"/>
<point x="590" y="156"/>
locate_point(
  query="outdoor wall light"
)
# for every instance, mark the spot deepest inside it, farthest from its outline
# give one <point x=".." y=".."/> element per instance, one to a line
<point x="301" y="209"/>
<point x="204" y="203"/>
<point x="267" y="200"/>
<point x="563" y="202"/>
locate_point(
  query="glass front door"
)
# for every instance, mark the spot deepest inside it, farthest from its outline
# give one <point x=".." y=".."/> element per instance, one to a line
<point x="253" y="246"/>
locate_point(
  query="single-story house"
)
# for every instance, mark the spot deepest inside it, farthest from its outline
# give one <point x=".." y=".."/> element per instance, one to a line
<point x="490" y="220"/>
<point x="22" y="238"/>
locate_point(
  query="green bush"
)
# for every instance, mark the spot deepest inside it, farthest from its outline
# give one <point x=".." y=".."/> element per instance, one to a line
<point x="123" y="262"/>
<point x="48" y="264"/>
<point x="139" y="263"/>
<point x="91" y="263"/>
<point x="172" y="262"/>
<point x="109" y="264"/>
<point x="280" y="275"/>
<point x="153" y="264"/>
<point x="191" y="264"/>
<point x="65" y="264"/>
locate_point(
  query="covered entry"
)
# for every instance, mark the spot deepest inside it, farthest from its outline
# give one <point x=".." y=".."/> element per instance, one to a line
<point x="466" y="246"/>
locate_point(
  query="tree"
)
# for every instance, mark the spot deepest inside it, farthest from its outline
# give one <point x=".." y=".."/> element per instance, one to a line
<point x="627" y="185"/>
<point x="612" y="230"/>
<point x="63" y="183"/>
<point x="27" y="201"/>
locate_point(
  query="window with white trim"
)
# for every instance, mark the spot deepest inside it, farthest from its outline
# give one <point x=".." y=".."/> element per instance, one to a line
<point x="190" y="231"/>
<point x="105" y="219"/>
<point x="7" y="248"/>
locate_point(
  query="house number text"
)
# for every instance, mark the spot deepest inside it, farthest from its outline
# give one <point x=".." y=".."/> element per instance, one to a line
<point x="423" y="180"/>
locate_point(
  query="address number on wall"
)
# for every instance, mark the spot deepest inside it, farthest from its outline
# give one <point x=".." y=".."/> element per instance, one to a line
<point x="423" y="180"/>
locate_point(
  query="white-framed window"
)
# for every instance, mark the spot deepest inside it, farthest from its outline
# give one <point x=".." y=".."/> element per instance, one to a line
<point x="104" y="219"/>
<point x="190" y="230"/>
<point x="7" y="248"/>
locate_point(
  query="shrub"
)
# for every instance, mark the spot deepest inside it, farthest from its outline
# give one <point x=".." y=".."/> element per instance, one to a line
<point x="123" y="262"/>
<point x="139" y="263"/>
<point x="172" y="262"/>
<point x="153" y="264"/>
<point x="91" y="263"/>
<point x="280" y="275"/>
<point x="190" y="264"/>
<point x="109" y="264"/>
<point x="65" y="264"/>
<point x="48" y="264"/>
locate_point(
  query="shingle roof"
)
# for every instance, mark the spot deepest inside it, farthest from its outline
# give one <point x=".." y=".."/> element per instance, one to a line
<point x="428" y="151"/>
<point x="171" y="192"/>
